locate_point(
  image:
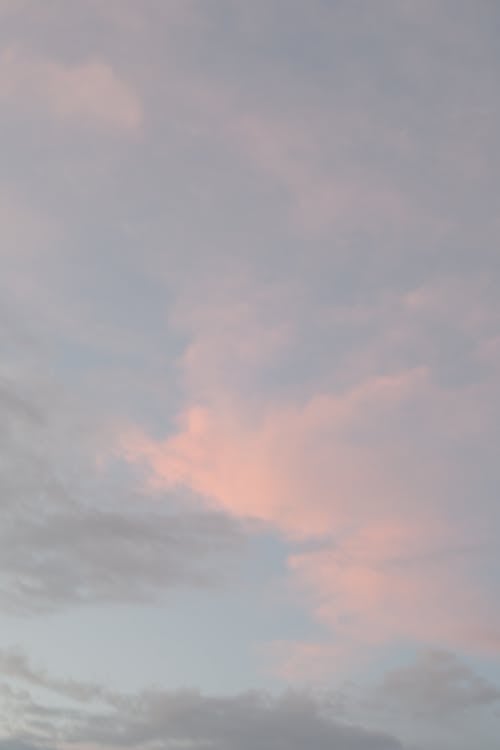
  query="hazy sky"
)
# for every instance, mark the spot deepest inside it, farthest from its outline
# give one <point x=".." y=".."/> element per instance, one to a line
<point x="249" y="374"/>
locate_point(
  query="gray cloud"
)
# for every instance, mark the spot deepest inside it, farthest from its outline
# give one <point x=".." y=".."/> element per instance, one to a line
<point x="291" y="721"/>
<point x="173" y="719"/>
<point x="71" y="533"/>
<point x="15" y="743"/>
<point x="15" y="665"/>
<point x="438" y="684"/>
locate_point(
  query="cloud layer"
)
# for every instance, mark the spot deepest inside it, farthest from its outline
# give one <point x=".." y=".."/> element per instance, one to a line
<point x="369" y="470"/>
<point x="70" y="534"/>
<point x="90" y="92"/>
<point x="249" y="334"/>
<point x="292" y="720"/>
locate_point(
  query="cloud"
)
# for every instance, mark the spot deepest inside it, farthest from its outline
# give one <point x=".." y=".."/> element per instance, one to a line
<point x="69" y="533"/>
<point x="15" y="665"/>
<point x="292" y="466"/>
<point x="90" y="92"/>
<point x="239" y="723"/>
<point x="438" y="684"/>
<point x="364" y="470"/>
<point x="177" y="718"/>
<point x="351" y="404"/>
<point x="393" y="583"/>
<point x="290" y="157"/>
<point x="14" y="743"/>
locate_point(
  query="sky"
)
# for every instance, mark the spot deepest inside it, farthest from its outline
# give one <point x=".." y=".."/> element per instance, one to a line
<point x="249" y="375"/>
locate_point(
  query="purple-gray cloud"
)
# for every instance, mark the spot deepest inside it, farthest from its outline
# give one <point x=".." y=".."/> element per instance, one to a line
<point x="262" y="238"/>
<point x="70" y="535"/>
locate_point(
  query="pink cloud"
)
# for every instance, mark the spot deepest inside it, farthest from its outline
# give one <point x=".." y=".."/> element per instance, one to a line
<point x="305" y="661"/>
<point x="392" y="568"/>
<point x="393" y="558"/>
<point x="90" y="92"/>
<point x="305" y="158"/>
<point x="393" y="581"/>
<point x="321" y="197"/>
<point x="292" y="466"/>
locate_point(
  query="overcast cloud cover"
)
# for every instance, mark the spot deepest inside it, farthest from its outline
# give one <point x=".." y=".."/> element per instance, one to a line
<point x="249" y="375"/>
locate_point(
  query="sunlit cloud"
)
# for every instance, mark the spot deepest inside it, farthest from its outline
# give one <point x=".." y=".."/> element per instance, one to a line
<point x="89" y="92"/>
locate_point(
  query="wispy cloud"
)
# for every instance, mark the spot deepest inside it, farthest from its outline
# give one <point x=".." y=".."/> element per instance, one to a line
<point x="87" y="93"/>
